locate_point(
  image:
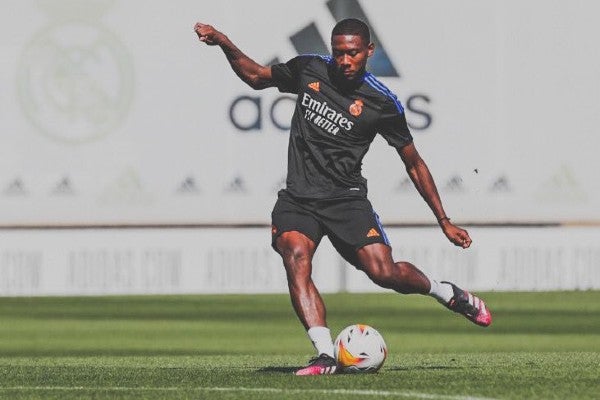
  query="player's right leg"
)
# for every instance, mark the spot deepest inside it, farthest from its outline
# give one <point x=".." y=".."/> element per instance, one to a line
<point x="297" y="251"/>
<point x="296" y="235"/>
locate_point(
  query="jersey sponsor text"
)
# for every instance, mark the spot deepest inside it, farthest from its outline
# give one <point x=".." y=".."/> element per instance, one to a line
<point x="320" y="114"/>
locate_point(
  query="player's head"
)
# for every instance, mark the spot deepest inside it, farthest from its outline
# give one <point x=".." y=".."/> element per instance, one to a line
<point x="351" y="47"/>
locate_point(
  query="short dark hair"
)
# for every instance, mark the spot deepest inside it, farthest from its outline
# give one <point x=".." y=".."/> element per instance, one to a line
<point x="352" y="26"/>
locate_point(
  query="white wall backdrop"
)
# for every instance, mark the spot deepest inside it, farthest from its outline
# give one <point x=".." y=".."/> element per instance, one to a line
<point x="118" y="261"/>
<point x="112" y="112"/>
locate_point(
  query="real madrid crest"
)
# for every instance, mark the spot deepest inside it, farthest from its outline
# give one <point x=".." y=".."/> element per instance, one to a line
<point x="356" y="107"/>
<point x="75" y="78"/>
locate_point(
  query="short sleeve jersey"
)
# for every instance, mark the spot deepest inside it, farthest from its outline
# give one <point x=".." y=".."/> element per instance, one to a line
<point x="333" y="127"/>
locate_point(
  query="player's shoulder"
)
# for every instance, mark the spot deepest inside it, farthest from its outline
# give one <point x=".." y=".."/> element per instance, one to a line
<point x="309" y="64"/>
<point x="314" y="60"/>
<point x="316" y="57"/>
<point x="381" y="92"/>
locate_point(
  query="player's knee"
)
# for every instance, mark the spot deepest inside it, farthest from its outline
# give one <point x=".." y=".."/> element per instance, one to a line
<point x="404" y="270"/>
<point x="294" y="248"/>
<point x="294" y="254"/>
<point x="298" y="267"/>
<point x="381" y="273"/>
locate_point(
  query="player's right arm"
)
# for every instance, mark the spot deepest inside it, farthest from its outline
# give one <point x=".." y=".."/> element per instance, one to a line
<point x="255" y="75"/>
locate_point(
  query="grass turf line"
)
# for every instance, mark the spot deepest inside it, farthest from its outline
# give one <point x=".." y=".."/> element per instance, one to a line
<point x="541" y="346"/>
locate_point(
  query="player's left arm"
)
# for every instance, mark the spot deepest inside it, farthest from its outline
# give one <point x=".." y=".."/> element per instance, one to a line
<point x="419" y="173"/>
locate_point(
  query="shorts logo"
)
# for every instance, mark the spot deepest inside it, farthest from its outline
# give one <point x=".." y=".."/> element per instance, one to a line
<point x="373" y="233"/>
<point x="316" y="86"/>
<point x="356" y="108"/>
<point x="273" y="229"/>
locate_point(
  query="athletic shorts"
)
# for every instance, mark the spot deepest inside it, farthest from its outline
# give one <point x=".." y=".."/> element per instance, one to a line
<point x="350" y="223"/>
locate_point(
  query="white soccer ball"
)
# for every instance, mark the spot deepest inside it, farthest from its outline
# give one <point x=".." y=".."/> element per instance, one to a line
<point x="359" y="348"/>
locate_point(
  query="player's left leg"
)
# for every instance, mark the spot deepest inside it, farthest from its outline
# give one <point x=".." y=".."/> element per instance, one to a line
<point x="403" y="277"/>
<point x="376" y="261"/>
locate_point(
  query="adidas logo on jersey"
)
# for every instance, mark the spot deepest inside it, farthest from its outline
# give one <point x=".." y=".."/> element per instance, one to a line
<point x="316" y="86"/>
<point x="373" y="233"/>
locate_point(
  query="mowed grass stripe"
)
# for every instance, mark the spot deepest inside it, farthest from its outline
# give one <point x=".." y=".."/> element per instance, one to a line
<point x="540" y="346"/>
<point x="377" y="393"/>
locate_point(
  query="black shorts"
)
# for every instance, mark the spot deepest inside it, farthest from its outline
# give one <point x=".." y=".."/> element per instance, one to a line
<point x="350" y="223"/>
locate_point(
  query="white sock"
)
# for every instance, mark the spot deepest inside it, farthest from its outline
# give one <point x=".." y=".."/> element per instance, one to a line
<point x="441" y="291"/>
<point x="321" y="339"/>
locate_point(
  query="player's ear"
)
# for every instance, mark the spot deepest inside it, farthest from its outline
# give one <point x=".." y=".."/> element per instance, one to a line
<point x="371" y="49"/>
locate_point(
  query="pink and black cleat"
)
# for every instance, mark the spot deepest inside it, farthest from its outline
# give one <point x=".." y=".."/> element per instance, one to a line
<point x="321" y="365"/>
<point x="472" y="307"/>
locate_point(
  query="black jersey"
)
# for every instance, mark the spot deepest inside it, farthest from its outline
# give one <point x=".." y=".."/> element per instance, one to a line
<point x="333" y="127"/>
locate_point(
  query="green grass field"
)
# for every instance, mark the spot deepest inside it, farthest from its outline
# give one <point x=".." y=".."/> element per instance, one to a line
<point x="540" y="346"/>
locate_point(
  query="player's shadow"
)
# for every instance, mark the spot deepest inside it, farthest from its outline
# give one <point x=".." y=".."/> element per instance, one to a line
<point x="278" y="370"/>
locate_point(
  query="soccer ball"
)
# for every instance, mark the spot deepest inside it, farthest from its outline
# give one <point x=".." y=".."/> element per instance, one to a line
<point x="359" y="348"/>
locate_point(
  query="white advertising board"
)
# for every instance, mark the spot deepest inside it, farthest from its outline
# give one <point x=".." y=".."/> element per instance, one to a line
<point x="111" y="111"/>
<point x="182" y="261"/>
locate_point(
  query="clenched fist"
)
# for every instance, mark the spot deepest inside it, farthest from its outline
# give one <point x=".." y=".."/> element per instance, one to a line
<point x="208" y="34"/>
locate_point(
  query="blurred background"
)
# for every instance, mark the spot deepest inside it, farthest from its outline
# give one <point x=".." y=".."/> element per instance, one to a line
<point x="134" y="161"/>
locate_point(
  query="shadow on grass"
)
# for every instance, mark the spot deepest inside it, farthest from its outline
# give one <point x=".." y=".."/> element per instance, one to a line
<point x="290" y="370"/>
<point x="277" y="370"/>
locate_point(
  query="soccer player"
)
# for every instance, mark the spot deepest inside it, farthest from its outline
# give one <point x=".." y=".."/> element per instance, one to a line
<point x="339" y="110"/>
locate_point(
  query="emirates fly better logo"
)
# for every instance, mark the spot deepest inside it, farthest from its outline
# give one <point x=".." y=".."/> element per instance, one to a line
<point x="325" y="117"/>
<point x="308" y="40"/>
